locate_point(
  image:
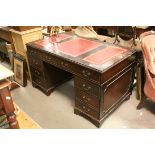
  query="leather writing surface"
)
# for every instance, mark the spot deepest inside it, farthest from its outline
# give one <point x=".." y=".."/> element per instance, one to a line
<point x="78" y="46"/>
<point x="105" y="55"/>
<point x="47" y="41"/>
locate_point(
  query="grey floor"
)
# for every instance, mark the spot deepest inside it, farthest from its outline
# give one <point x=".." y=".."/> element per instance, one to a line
<point x="57" y="110"/>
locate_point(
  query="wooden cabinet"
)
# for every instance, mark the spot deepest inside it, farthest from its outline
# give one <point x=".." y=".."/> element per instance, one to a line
<point x="23" y="28"/>
<point x="20" y="40"/>
<point x="6" y="106"/>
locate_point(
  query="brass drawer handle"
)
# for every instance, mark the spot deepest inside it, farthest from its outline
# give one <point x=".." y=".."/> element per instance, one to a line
<point x="35" y="62"/>
<point x="64" y="64"/>
<point x="32" y="52"/>
<point x="36" y="72"/>
<point x="85" y="99"/>
<point x="86" y="88"/>
<point x="47" y="58"/>
<point x="86" y="73"/>
<point x="83" y="107"/>
<point x="38" y="81"/>
<point x="86" y="109"/>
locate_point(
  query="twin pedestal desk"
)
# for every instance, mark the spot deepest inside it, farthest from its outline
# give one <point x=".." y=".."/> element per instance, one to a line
<point x="103" y="72"/>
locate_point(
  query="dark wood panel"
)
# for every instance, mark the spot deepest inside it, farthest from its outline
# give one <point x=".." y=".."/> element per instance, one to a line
<point x="115" y="89"/>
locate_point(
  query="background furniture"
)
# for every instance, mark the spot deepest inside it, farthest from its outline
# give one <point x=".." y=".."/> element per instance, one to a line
<point x="6" y="44"/>
<point x="7" y="115"/>
<point x="21" y="38"/>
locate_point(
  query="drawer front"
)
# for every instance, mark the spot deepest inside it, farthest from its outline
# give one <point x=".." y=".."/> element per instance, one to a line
<point x="36" y="72"/>
<point x="87" y="110"/>
<point x="33" y="53"/>
<point x="38" y="80"/>
<point x="58" y="62"/>
<point x="87" y="99"/>
<point x="72" y="67"/>
<point x="88" y="74"/>
<point x="87" y="86"/>
<point x="36" y="63"/>
<point x="129" y="61"/>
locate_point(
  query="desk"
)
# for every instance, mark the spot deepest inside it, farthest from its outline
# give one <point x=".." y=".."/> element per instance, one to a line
<point x="6" y="102"/>
<point x="99" y="88"/>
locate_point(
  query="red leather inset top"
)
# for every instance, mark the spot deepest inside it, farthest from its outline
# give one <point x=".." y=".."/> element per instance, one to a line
<point x="104" y="55"/>
<point x="48" y="41"/>
<point x="78" y="46"/>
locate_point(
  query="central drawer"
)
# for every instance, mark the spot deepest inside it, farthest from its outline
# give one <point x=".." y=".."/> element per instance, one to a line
<point x="72" y="67"/>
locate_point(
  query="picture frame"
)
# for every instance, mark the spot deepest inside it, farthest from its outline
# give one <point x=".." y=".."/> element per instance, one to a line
<point x="20" y="70"/>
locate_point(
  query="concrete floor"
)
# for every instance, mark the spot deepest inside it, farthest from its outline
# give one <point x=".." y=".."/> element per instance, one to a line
<point x="57" y="110"/>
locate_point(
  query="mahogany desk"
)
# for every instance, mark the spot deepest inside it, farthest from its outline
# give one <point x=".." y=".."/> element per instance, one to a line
<point x="100" y="85"/>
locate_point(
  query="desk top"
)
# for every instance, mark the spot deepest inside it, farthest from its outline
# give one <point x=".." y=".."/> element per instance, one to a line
<point x="5" y="73"/>
<point x="90" y="53"/>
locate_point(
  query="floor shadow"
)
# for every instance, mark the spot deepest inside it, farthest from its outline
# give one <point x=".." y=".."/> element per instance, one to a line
<point x="150" y="106"/>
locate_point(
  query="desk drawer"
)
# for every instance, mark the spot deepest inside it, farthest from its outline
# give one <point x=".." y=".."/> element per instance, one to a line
<point x="72" y="67"/>
<point x="33" y="53"/>
<point x="61" y="63"/>
<point x="87" y="110"/>
<point x="89" y="100"/>
<point x="126" y="63"/>
<point x="36" y="72"/>
<point x="87" y="74"/>
<point x="36" y="63"/>
<point x="87" y="86"/>
<point x="38" y="80"/>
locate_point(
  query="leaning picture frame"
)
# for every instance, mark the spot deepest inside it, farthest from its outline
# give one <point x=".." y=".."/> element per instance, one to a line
<point x="20" y="71"/>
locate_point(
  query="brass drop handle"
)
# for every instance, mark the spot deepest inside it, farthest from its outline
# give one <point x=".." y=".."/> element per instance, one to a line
<point x="87" y="88"/>
<point x="83" y="107"/>
<point x="88" y="110"/>
<point x="35" y="62"/>
<point x="38" y="73"/>
<point x="86" y="73"/>
<point x="48" y="58"/>
<point x="64" y="64"/>
<point x="84" y="85"/>
<point x="39" y="81"/>
<point x="86" y="99"/>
